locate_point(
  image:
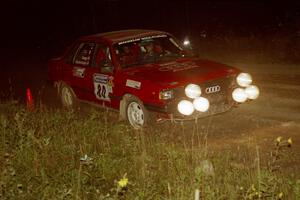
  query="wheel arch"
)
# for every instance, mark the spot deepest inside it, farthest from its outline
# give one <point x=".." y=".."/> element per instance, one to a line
<point x="123" y="102"/>
<point x="59" y="84"/>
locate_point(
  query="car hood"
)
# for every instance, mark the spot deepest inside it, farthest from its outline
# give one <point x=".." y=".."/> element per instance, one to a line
<point x="181" y="72"/>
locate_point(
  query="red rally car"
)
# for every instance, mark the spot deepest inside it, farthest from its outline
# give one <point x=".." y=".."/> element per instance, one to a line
<point x="139" y="72"/>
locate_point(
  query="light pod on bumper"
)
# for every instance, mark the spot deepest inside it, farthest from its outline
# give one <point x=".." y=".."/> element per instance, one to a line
<point x="239" y="95"/>
<point x="252" y="92"/>
<point x="192" y="91"/>
<point x="201" y="104"/>
<point x="244" y="79"/>
<point x="185" y="107"/>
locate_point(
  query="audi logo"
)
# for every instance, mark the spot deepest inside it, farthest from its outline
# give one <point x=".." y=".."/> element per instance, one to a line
<point x="213" y="89"/>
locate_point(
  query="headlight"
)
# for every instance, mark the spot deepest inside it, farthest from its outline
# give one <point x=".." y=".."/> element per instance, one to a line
<point x="252" y="92"/>
<point x="192" y="91"/>
<point x="201" y="104"/>
<point x="185" y="107"/>
<point x="239" y="95"/>
<point x="166" y="94"/>
<point x="244" y="79"/>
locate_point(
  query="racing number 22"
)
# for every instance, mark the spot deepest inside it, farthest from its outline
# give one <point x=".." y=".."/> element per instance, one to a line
<point x="101" y="92"/>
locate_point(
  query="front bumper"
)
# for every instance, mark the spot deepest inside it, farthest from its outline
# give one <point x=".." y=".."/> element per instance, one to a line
<point x="170" y="110"/>
<point x="219" y="101"/>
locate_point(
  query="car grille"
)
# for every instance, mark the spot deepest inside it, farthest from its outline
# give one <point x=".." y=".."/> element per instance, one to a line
<point x="226" y="86"/>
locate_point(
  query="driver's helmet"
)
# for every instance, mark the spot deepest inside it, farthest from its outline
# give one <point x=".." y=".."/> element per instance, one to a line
<point x="144" y="44"/>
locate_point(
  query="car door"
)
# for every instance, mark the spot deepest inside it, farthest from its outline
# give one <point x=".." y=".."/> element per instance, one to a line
<point x="92" y="72"/>
<point x="102" y="76"/>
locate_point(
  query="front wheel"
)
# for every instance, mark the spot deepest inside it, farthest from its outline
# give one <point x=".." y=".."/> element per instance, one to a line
<point x="136" y="114"/>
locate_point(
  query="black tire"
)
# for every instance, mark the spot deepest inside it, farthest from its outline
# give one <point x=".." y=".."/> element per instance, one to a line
<point x="67" y="96"/>
<point x="136" y="113"/>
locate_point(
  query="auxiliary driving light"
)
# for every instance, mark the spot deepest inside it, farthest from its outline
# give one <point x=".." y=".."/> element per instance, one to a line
<point x="244" y="79"/>
<point x="201" y="104"/>
<point x="239" y="95"/>
<point x="252" y="92"/>
<point x="192" y="91"/>
<point x="185" y="107"/>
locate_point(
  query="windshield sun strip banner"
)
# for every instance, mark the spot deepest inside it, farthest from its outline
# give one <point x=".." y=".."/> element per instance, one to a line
<point x="140" y="39"/>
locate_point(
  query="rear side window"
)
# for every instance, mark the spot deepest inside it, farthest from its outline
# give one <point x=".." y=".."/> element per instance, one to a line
<point x="71" y="52"/>
<point x="84" y="54"/>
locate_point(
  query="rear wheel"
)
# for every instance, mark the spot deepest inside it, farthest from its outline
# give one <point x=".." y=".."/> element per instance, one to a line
<point x="136" y="114"/>
<point x="67" y="96"/>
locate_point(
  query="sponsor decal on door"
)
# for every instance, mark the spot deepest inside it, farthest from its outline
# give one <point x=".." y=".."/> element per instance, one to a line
<point x="103" y="86"/>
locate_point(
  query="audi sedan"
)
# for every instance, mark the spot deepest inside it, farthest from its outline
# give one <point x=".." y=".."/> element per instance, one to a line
<point x="145" y="74"/>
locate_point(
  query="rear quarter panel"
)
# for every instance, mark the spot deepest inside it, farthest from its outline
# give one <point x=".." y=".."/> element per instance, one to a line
<point x="54" y="69"/>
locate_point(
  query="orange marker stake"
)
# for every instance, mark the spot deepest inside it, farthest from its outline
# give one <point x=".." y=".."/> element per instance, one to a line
<point x="29" y="100"/>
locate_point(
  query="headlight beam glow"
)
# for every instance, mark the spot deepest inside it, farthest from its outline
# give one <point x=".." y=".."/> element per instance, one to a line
<point x="201" y="104"/>
<point x="244" y="79"/>
<point x="252" y="92"/>
<point x="192" y="91"/>
<point x="239" y="95"/>
<point x="185" y="107"/>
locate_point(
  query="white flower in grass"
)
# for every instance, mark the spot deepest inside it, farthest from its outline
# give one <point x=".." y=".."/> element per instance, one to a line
<point x="85" y="158"/>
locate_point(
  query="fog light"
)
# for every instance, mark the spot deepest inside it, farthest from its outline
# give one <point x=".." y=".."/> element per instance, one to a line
<point x="244" y="79"/>
<point x="185" y="107"/>
<point x="252" y="92"/>
<point x="201" y="104"/>
<point x="192" y="91"/>
<point x="239" y="95"/>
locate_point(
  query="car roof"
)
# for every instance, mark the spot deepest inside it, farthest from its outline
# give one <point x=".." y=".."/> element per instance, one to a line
<point x="122" y="35"/>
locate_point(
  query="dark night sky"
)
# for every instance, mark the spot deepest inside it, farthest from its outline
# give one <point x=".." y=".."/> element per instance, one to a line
<point x="53" y="23"/>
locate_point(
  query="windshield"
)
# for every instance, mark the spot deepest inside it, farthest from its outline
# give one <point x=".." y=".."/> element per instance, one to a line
<point x="146" y="50"/>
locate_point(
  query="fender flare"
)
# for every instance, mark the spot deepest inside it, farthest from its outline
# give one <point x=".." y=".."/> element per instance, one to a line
<point x="58" y="85"/>
<point x="122" y="109"/>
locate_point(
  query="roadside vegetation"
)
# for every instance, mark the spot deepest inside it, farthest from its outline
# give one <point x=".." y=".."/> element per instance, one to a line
<point x="59" y="154"/>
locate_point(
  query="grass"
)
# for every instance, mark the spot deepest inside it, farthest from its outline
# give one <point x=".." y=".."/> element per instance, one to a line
<point x="54" y="154"/>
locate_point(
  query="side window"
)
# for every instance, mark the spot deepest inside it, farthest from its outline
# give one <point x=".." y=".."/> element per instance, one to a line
<point x="102" y="59"/>
<point x="84" y="54"/>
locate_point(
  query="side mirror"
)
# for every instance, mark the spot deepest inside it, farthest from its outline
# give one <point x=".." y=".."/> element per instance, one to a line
<point x="189" y="53"/>
<point x="106" y="69"/>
